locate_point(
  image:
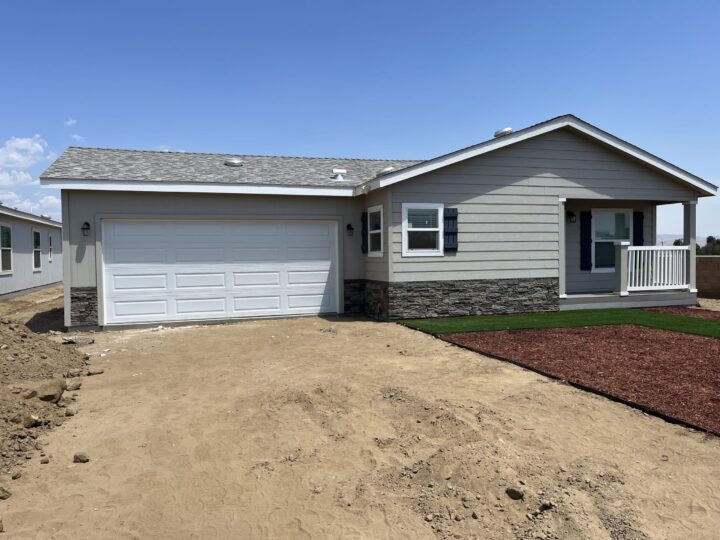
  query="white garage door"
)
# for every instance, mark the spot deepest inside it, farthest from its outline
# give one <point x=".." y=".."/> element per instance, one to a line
<point x="192" y="270"/>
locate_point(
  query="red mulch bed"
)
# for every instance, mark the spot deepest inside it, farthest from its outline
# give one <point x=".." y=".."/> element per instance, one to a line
<point x="689" y="312"/>
<point x="673" y="374"/>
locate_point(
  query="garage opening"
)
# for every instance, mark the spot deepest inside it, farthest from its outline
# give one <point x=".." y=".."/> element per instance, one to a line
<point x="155" y="271"/>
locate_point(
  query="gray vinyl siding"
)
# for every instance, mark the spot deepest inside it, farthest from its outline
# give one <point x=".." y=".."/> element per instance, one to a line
<point x="376" y="268"/>
<point x="507" y="205"/>
<point x="586" y="281"/>
<point x="23" y="276"/>
<point x="93" y="206"/>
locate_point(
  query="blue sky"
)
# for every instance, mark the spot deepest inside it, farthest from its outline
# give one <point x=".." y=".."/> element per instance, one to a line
<point x="362" y="79"/>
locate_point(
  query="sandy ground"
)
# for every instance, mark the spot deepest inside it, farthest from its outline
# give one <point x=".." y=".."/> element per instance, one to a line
<point x="328" y="428"/>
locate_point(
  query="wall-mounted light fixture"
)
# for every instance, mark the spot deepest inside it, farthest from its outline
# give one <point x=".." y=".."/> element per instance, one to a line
<point x="350" y="229"/>
<point x="85" y="228"/>
<point x="571" y="217"/>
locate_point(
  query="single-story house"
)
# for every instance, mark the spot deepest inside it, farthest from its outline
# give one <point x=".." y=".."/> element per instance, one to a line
<point x="30" y="251"/>
<point x="560" y="215"/>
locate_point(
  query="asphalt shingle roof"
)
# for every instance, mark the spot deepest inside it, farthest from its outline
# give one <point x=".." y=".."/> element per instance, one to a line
<point x="151" y="166"/>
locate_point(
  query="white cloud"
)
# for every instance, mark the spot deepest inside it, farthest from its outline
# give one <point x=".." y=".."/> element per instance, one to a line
<point x="47" y="204"/>
<point x="14" y="178"/>
<point x="22" y="152"/>
<point x="76" y="137"/>
<point x="70" y="121"/>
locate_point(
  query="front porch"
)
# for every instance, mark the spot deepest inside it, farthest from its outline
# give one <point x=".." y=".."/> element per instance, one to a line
<point x="608" y="258"/>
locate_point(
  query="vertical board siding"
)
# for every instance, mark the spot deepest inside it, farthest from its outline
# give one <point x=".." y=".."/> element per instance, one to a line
<point x="507" y="205"/>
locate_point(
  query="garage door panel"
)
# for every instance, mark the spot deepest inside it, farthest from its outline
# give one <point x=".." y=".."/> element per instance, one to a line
<point x="200" y="306"/>
<point x="202" y="255"/>
<point x="304" y="301"/>
<point x="256" y="254"/>
<point x="245" y="304"/>
<point x="190" y="270"/>
<point x="137" y="282"/>
<point x="140" y="255"/>
<point x="140" y="307"/>
<point x="199" y="280"/>
<point x="299" y="277"/>
<point x="308" y="254"/>
<point x="199" y="229"/>
<point x="254" y="279"/>
<point x="310" y="229"/>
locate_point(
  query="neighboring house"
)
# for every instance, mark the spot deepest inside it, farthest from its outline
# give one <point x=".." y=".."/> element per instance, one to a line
<point x="527" y="221"/>
<point x="30" y="251"/>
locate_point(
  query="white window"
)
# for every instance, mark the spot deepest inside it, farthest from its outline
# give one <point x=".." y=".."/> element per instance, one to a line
<point x="37" y="258"/>
<point x="422" y="230"/>
<point x="608" y="226"/>
<point x="50" y="247"/>
<point x="375" y="231"/>
<point x="5" y="249"/>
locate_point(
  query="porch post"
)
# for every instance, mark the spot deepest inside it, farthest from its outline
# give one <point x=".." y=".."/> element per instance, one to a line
<point x="621" y="267"/>
<point x="561" y="247"/>
<point x="689" y="239"/>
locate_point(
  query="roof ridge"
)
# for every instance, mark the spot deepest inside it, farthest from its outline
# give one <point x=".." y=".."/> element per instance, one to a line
<point x="234" y="155"/>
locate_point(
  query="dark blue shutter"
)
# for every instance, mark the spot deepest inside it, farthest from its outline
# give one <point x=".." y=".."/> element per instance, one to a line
<point x="638" y="238"/>
<point x="585" y="241"/>
<point x="364" y="232"/>
<point x="450" y="229"/>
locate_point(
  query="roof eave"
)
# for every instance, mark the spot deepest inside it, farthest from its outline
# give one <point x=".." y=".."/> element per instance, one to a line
<point x="197" y="187"/>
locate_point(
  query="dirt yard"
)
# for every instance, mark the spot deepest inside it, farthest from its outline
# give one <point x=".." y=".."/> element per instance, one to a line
<point x="328" y="428"/>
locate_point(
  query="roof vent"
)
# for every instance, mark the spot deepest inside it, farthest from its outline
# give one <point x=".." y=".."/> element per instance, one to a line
<point x="338" y="174"/>
<point x="502" y="132"/>
<point x="386" y="170"/>
<point x="234" y="162"/>
<point x="45" y="216"/>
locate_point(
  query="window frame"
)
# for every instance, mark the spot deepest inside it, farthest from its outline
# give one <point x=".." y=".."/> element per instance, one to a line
<point x="38" y="249"/>
<point x="370" y="232"/>
<point x="406" y="251"/>
<point x="10" y="270"/>
<point x="594" y="211"/>
<point x="50" y="247"/>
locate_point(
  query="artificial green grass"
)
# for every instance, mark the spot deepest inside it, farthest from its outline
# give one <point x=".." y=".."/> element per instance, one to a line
<point x="568" y="319"/>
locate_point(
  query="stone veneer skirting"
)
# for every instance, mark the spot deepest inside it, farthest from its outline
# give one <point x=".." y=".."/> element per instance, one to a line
<point x="354" y="296"/>
<point x="424" y="299"/>
<point x="411" y="300"/>
<point x="83" y="306"/>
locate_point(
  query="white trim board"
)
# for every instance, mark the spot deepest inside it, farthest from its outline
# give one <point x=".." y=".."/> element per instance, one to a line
<point x="187" y="187"/>
<point x="528" y="133"/>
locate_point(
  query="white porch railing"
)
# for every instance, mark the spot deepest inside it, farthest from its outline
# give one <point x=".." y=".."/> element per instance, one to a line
<point x="657" y="268"/>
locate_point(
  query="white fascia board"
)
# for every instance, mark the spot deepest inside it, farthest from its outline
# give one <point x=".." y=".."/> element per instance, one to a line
<point x="183" y="187"/>
<point x="522" y="135"/>
<point x="17" y="214"/>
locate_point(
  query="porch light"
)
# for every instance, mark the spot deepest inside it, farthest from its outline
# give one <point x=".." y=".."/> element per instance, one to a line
<point x="572" y="218"/>
<point x="350" y="229"/>
<point x="85" y="228"/>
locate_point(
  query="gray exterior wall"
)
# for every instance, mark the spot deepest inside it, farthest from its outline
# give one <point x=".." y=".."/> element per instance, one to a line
<point x="508" y="217"/>
<point x="23" y="276"/>
<point x="82" y="264"/>
<point x="581" y="281"/>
